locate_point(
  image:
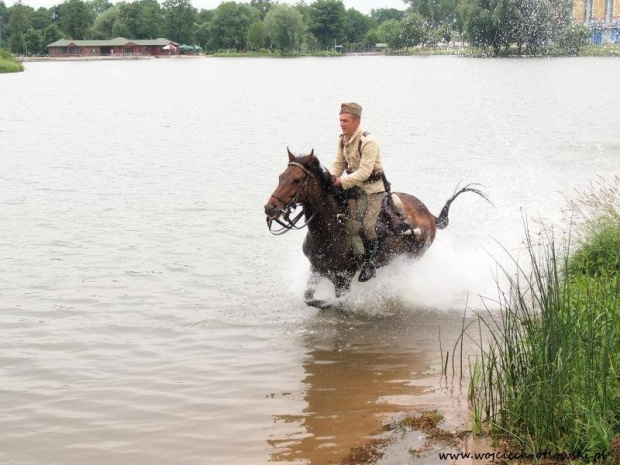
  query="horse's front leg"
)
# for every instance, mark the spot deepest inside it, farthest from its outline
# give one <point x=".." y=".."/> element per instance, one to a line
<point x="313" y="280"/>
<point x="342" y="283"/>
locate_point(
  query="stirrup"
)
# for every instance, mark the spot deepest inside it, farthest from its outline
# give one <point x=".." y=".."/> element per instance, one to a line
<point x="411" y="232"/>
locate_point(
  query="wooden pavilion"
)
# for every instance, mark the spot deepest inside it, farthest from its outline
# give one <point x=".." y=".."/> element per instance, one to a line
<point x="114" y="47"/>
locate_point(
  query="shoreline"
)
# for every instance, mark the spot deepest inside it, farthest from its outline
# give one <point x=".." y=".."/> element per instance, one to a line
<point x="610" y="51"/>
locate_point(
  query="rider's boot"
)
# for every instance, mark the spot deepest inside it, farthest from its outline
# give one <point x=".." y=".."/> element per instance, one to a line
<point x="368" y="267"/>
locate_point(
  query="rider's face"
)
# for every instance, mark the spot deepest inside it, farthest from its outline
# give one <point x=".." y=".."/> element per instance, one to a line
<point x="349" y="124"/>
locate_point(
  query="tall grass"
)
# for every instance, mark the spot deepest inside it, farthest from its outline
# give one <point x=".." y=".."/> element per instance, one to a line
<point x="8" y="63"/>
<point x="549" y="378"/>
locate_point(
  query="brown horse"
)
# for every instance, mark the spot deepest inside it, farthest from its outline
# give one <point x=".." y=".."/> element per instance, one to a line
<point x="327" y="247"/>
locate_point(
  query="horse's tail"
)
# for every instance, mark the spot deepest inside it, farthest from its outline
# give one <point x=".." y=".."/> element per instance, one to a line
<point x="442" y="221"/>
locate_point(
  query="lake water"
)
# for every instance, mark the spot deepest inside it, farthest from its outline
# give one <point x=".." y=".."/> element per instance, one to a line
<point x="147" y="315"/>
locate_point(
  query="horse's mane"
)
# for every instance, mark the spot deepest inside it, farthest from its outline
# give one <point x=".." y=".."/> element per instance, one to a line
<point x="314" y="165"/>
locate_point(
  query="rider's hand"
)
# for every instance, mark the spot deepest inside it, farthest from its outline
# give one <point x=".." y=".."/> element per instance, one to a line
<point x="337" y="182"/>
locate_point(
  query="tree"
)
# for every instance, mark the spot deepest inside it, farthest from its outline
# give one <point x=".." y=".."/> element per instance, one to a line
<point x="285" y="27"/>
<point x="98" y="6"/>
<point x="19" y="23"/>
<point x="305" y="11"/>
<point x="327" y="21"/>
<point x="390" y="32"/>
<point x="34" y="41"/>
<point x="413" y="30"/>
<point x="77" y="19"/>
<point x="4" y="23"/>
<point x="230" y="25"/>
<point x="310" y="41"/>
<point x="357" y="25"/>
<point x="573" y="38"/>
<point x="120" y="29"/>
<point x="40" y="19"/>
<point x="204" y="16"/>
<point x="371" y="39"/>
<point x="126" y="24"/>
<point x="51" y="34"/>
<point x="262" y="6"/>
<point x="257" y="35"/>
<point x="150" y="22"/>
<point x="179" y="18"/>
<point x="201" y="35"/>
<point x="104" y="24"/>
<point x="384" y="14"/>
<point x="478" y="22"/>
<point x="56" y="14"/>
<point x="436" y="12"/>
<point x="446" y="33"/>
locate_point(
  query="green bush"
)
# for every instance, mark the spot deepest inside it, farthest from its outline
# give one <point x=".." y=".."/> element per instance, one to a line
<point x="8" y="63"/>
<point x="600" y="255"/>
<point x="548" y="379"/>
<point x="596" y="216"/>
<point x="574" y="38"/>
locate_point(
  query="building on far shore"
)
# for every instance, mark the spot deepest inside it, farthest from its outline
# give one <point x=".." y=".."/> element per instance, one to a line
<point x="602" y="17"/>
<point x="114" y="47"/>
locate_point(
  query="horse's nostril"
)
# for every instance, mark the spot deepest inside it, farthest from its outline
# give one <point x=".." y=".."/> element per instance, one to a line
<point x="269" y="208"/>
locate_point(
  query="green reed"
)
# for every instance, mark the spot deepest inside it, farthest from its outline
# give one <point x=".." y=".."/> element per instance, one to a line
<point x="549" y="377"/>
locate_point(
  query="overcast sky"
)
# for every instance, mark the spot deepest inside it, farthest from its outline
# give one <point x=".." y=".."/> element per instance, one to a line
<point x="361" y="5"/>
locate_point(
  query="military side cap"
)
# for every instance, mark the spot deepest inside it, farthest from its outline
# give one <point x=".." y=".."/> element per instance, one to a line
<point x="352" y="108"/>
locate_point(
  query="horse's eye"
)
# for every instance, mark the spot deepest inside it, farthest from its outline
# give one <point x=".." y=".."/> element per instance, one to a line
<point x="296" y="181"/>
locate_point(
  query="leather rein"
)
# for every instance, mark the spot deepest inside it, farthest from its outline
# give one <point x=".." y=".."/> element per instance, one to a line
<point x="284" y="218"/>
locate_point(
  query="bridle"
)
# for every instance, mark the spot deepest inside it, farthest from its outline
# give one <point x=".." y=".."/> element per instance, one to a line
<point x="284" y="218"/>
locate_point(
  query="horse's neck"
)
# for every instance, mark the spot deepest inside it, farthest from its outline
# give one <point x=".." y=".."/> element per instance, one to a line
<point x="326" y="210"/>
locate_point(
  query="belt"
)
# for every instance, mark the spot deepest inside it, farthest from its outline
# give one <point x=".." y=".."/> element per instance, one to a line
<point x="374" y="176"/>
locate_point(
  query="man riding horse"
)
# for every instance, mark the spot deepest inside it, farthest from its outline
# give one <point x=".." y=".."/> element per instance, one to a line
<point x="402" y="226"/>
<point x="359" y="171"/>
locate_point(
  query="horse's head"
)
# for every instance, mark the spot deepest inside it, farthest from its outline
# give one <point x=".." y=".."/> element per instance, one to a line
<point x="294" y="184"/>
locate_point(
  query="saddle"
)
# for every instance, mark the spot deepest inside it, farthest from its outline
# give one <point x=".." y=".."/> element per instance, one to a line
<point x="391" y="219"/>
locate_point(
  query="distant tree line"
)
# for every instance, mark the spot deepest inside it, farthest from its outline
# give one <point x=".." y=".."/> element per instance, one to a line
<point x="532" y="26"/>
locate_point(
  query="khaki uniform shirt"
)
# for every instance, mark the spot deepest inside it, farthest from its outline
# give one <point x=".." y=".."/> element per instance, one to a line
<point x="361" y="165"/>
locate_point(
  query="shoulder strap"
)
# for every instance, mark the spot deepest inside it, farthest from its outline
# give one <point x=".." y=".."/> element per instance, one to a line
<point x="359" y="146"/>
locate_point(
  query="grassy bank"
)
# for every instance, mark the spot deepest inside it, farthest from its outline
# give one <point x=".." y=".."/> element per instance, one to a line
<point x="601" y="51"/>
<point x="8" y="63"/>
<point x="549" y="380"/>
<point x="512" y="52"/>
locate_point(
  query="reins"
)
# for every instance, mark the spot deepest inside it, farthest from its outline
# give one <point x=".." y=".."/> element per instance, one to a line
<point x="284" y="219"/>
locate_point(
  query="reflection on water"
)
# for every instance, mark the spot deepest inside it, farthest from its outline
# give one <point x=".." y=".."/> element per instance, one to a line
<point x="361" y="370"/>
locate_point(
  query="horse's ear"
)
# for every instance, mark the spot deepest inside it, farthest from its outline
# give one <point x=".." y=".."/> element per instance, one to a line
<point x="311" y="156"/>
<point x="291" y="157"/>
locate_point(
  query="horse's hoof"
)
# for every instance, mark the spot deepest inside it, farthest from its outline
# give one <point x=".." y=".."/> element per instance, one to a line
<point x="316" y="303"/>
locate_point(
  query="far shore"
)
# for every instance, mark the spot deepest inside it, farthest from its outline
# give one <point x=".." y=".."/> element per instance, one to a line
<point x="611" y="50"/>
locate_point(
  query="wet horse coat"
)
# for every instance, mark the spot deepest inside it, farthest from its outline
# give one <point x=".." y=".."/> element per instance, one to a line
<point x="327" y="247"/>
